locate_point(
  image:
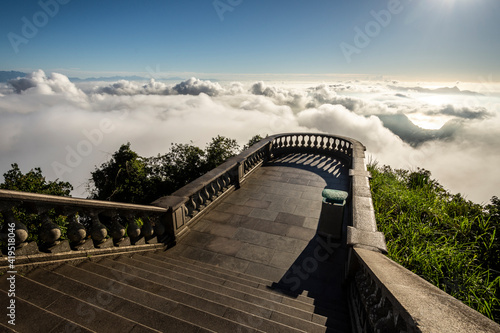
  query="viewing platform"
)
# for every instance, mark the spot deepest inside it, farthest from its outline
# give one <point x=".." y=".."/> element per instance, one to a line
<point x="252" y="246"/>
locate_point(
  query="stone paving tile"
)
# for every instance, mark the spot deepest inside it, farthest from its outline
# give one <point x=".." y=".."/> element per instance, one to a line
<point x="317" y="183"/>
<point x="300" y="233"/>
<point x="312" y="196"/>
<point x="199" y="238"/>
<point x="263" y="214"/>
<point x="273" y="228"/>
<point x="291" y="219"/>
<point x="298" y="181"/>
<point x="257" y="237"/>
<point x="291" y="245"/>
<point x="311" y="223"/>
<point x="281" y="207"/>
<point x="234" y="209"/>
<point x="220" y="229"/>
<point x="307" y="212"/>
<point x="255" y="253"/>
<point x="230" y="262"/>
<point x="198" y="254"/>
<point x="257" y="203"/>
<point x="275" y="198"/>
<point x="224" y="245"/>
<point x="218" y="216"/>
<point x="265" y="271"/>
<point x="310" y="204"/>
<point x="283" y="259"/>
<point x="281" y="191"/>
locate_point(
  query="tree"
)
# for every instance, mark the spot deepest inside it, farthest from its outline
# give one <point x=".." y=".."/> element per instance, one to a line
<point x="34" y="182"/>
<point x="252" y="141"/>
<point x="219" y="150"/>
<point x="124" y="178"/>
<point x="128" y="177"/>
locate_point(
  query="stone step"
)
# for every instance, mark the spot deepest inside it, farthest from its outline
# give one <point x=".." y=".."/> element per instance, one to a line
<point x="198" y="285"/>
<point x="28" y="313"/>
<point x="79" y="314"/>
<point x="241" y="281"/>
<point x="318" y="304"/>
<point x="118" y="296"/>
<point x="178" y="257"/>
<point x="267" y="318"/>
<point x="306" y="301"/>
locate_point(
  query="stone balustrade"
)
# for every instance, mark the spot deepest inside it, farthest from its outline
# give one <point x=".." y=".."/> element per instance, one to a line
<point x="90" y="224"/>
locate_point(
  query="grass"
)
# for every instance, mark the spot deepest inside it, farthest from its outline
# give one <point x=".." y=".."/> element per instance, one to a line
<point x="444" y="238"/>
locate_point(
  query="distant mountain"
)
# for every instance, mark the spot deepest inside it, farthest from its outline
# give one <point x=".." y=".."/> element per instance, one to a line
<point x="9" y="75"/>
<point x="110" y="78"/>
<point x="400" y="125"/>
<point x="444" y="90"/>
<point x="118" y="78"/>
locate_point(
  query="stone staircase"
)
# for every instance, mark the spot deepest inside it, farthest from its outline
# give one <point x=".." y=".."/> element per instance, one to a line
<point x="162" y="292"/>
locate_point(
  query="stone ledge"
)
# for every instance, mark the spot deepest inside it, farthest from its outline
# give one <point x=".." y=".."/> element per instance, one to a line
<point x="46" y="258"/>
<point x="425" y="307"/>
<point x="366" y="238"/>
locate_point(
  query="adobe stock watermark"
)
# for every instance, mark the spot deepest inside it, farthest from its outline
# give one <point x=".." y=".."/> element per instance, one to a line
<point x="372" y="29"/>
<point x="11" y="293"/>
<point x="223" y="6"/>
<point x="310" y="264"/>
<point x="29" y="28"/>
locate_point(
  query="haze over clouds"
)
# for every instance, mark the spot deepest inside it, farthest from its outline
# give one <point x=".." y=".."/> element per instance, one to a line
<point x="67" y="129"/>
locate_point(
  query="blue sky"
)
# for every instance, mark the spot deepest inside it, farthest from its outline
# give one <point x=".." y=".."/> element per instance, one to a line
<point x="422" y="39"/>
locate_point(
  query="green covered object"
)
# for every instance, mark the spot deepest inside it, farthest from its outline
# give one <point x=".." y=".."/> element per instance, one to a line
<point x="334" y="196"/>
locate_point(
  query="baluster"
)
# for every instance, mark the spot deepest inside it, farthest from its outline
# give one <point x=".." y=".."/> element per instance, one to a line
<point x="200" y="199"/>
<point x="98" y="231"/>
<point x="321" y="143"/>
<point x="206" y="194"/>
<point x="159" y="228"/>
<point x="191" y="206"/>
<point x="147" y="229"/>
<point x="117" y="230"/>
<point x="295" y="141"/>
<point x="76" y="231"/>
<point x="49" y="232"/>
<point x="20" y="230"/>
<point x="133" y="229"/>
<point x="335" y="144"/>
<point x="308" y="141"/>
<point x="328" y="143"/>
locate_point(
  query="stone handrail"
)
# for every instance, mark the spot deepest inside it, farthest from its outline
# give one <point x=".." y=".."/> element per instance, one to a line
<point x="386" y="297"/>
<point x="90" y="224"/>
<point x="186" y="205"/>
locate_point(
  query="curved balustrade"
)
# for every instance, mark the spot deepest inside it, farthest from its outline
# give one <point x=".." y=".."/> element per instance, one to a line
<point x="89" y="224"/>
<point x="308" y="143"/>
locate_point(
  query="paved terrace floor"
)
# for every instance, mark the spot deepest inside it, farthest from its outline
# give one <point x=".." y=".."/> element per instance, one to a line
<point x="267" y="228"/>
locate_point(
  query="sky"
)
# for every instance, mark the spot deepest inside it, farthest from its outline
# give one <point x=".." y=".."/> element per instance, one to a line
<point x="417" y="82"/>
<point x="410" y="39"/>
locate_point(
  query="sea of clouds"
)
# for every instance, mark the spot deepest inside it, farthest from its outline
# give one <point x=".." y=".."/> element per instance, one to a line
<point x="69" y="128"/>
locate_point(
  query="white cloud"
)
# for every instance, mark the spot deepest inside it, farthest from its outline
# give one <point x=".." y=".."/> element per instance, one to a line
<point x="46" y="120"/>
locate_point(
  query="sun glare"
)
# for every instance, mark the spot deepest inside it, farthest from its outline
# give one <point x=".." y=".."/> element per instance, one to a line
<point x="428" y="122"/>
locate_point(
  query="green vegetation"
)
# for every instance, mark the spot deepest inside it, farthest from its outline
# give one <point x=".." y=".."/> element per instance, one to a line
<point x="34" y="182"/>
<point x="447" y="240"/>
<point x="128" y="177"/>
